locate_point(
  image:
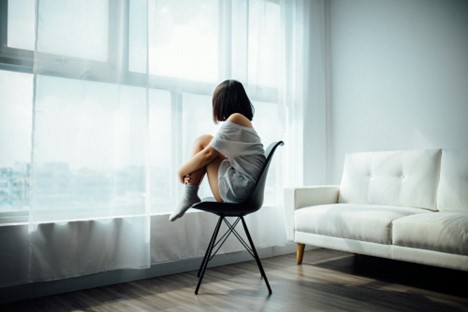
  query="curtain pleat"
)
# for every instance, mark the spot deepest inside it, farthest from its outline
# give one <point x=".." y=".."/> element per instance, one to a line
<point x="88" y="211"/>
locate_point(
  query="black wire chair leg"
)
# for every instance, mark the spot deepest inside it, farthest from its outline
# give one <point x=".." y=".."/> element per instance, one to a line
<point x="208" y="254"/>
<point x="210" y="246"/>
<point x="257" y="259"/>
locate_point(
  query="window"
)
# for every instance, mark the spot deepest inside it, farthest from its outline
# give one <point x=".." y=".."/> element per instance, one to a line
<point x="180" y="49"/>
<point x="15" y="140"/>
<point x="20" y="24"/>
<point x="184" y="40"/>
<point x="89" y="155"/>
<point x="77" y="29"/>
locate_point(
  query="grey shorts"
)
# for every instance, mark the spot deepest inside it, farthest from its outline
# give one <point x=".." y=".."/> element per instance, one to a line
<point x="234" y="187"/>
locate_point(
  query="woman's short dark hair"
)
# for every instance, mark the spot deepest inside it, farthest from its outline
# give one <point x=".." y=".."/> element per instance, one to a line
<point x="230" y="97"/>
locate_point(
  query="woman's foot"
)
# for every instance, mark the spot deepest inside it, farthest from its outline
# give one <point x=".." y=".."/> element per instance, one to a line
<point x="190" y="198"/>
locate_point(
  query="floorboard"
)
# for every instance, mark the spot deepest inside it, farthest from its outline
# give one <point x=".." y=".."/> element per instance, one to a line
<point x="326" y="281"/>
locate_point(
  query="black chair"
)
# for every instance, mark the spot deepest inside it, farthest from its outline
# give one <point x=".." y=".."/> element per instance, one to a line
<point x="223" y="210"/>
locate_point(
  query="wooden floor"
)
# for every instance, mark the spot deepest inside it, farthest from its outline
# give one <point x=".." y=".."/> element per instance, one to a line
<point x="326" y="281"/>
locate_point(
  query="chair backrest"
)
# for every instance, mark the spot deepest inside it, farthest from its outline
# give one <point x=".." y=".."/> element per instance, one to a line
<point x="255" y="200"/>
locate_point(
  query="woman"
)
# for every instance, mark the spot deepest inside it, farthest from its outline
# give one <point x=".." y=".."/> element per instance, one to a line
<point x="232" y="159"/>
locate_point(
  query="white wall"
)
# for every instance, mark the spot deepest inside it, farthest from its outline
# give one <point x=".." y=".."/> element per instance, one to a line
<point x="398" y="76"/>
<point x="315" y="73"/>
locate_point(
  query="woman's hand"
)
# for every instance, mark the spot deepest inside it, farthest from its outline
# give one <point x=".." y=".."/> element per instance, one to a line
<point x="183" y="178"/>
<point x="187" y="179"/>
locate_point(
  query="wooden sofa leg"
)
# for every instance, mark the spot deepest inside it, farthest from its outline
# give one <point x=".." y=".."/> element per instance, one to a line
<point x="299" y="253"/>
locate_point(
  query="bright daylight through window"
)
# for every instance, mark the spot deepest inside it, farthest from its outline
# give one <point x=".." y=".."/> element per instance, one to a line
<point x="98" y="111"/>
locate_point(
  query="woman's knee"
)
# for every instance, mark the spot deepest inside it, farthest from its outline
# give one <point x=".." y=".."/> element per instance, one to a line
<point x="203" y="141"/>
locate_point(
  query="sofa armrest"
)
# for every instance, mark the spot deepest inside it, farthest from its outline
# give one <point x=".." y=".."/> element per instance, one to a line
<point x="306" y="196"/>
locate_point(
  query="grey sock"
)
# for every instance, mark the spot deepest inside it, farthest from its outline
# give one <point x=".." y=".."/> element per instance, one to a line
<point x="190" y="197"/>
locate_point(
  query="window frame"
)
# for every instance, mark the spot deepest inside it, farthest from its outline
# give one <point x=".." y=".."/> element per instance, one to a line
<point x="21" y="60"/>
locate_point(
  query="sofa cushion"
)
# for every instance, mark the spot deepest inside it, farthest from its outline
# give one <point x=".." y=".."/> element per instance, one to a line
<point x="371" y="223"/>
<point x="439" y="231"/>
<point x="400" y="178"/>
<point x="453" y="186"/>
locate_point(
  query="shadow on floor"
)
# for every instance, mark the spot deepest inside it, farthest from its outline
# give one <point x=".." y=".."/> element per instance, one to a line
<point x="442" y="280"/>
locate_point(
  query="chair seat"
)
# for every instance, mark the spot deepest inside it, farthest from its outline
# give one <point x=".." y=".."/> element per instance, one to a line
<point x="224" y="209"/>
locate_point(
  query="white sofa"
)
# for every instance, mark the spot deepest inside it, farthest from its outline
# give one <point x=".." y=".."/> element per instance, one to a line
<point x="403" y="205"/>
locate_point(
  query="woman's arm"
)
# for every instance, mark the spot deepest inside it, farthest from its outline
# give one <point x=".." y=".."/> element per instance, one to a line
<point x="198" y="161"/>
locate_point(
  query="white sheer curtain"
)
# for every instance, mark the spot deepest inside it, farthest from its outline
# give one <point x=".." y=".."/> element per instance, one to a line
<point x="119" y="90"/>
<point x="90" y="141"/>
<point x="264" y="45"/>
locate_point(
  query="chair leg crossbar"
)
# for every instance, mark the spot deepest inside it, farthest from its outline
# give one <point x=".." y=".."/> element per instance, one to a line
<point x="209" y="255"/>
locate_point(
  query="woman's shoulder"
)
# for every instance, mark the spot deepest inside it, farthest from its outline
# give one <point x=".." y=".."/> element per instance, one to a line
<point x="240" y="119"/>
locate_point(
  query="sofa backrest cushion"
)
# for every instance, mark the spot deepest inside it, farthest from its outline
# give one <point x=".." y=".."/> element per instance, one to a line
<point x="453" y="186"/>
<point x="402" y="178"/>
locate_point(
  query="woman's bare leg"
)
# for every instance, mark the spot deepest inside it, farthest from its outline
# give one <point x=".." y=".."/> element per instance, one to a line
<point x="192" y="182"/>
<point x="212" y="171"/>
<point x="199" y="144"/>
